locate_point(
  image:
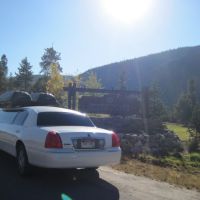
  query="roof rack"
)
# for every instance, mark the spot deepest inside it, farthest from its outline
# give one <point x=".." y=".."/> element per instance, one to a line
<point x="14" y="99"/>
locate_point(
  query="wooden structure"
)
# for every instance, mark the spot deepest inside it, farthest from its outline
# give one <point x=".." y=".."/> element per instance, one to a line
<point x="72" y="90"/>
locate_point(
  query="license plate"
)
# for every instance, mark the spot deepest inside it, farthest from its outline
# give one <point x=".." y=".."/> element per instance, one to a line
<point x="88" y="144"/>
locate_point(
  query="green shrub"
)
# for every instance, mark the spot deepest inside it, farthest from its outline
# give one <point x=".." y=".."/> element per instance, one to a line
<point x="172" y="161"/>
<point x="194" y="145"/>
<point x="195" y="157"/>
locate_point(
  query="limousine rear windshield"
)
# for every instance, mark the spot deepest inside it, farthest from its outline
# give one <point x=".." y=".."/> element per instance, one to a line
<point x="62" y="119"/>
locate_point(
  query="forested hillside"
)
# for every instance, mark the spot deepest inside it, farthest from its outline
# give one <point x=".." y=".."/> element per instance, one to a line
<point x="171" y="70"/>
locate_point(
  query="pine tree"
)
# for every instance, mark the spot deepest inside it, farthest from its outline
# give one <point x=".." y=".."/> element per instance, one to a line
<point x="192" y="93"/>
<point x="195" y="121"/>
<point x="186" y="104"/>
<point x="50" y="57"/>
<point x="3" y="72"/>
<point x="11" y="82"/>
<point x="152" y="105"/>
<point x="183" y="109"/>
<point x="40" y="84"/>
<point x="24" y="75"/>
<point x="156" y="109"/>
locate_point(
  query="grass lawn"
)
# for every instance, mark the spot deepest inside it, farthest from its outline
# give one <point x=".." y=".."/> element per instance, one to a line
<point x="179" y="129"/>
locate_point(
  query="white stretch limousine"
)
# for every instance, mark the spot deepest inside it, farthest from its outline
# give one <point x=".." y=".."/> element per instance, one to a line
<point x="52" y="137"/>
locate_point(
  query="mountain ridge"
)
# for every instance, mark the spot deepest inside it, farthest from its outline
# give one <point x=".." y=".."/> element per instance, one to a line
<point x="170" y="69"/>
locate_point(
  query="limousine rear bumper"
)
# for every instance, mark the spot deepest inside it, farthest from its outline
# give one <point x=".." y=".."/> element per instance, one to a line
<point x="77" y="159"/>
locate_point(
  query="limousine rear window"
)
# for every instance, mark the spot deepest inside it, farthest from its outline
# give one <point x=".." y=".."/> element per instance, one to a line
<point x="62" y="119"/>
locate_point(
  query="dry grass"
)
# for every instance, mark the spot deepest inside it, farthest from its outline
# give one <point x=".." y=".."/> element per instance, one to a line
<point x="173" y="176"/>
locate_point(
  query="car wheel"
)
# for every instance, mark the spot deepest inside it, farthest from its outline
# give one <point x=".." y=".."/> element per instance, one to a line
<point x="90" y="173"/>
<point x="22" y="161"/>
<point x="91" y="169"/>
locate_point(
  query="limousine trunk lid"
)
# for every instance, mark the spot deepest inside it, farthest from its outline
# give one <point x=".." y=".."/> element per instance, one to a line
<point x="83" y="138"/>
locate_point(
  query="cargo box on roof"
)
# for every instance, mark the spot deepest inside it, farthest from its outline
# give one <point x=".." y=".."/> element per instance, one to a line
<point x="15" y="99"/>
<point x="44" y="99"/>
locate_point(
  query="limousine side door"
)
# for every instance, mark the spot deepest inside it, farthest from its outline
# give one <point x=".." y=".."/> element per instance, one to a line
<point x="15" y="131"/>
<point x="2" y="136"/>
<point x="6" y="119"/>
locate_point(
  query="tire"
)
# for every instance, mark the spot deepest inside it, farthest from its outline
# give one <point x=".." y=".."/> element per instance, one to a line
<point x="22" y="161"/>
<point x="90" y="173"/>
<point x="91" y="169"/>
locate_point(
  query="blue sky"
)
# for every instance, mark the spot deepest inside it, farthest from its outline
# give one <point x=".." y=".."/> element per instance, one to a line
<point x="87" y="36"/>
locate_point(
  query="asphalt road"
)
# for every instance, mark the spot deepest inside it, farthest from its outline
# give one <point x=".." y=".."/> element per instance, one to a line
<point x="104" y="184"/>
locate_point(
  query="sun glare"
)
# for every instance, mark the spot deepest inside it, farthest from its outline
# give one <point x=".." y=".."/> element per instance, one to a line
<point x="127" y="11"/>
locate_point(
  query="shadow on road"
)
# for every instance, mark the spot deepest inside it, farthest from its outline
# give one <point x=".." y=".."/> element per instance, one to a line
<point x="49" y="185"/>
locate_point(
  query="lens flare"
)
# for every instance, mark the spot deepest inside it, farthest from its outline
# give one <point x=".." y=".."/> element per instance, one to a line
<point x="127" y="11"/>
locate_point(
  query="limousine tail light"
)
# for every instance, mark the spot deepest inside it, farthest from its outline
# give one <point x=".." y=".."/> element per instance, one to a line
<point x="53" y="140"/>
<point x="115" y="140"/>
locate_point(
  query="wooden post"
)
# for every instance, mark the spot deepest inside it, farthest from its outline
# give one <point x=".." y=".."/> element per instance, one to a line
<point x="70" y="96"/>
<point x="74" y="96"/>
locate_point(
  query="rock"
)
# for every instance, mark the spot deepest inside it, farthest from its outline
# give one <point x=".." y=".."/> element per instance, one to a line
<point x="159" y="144"/>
